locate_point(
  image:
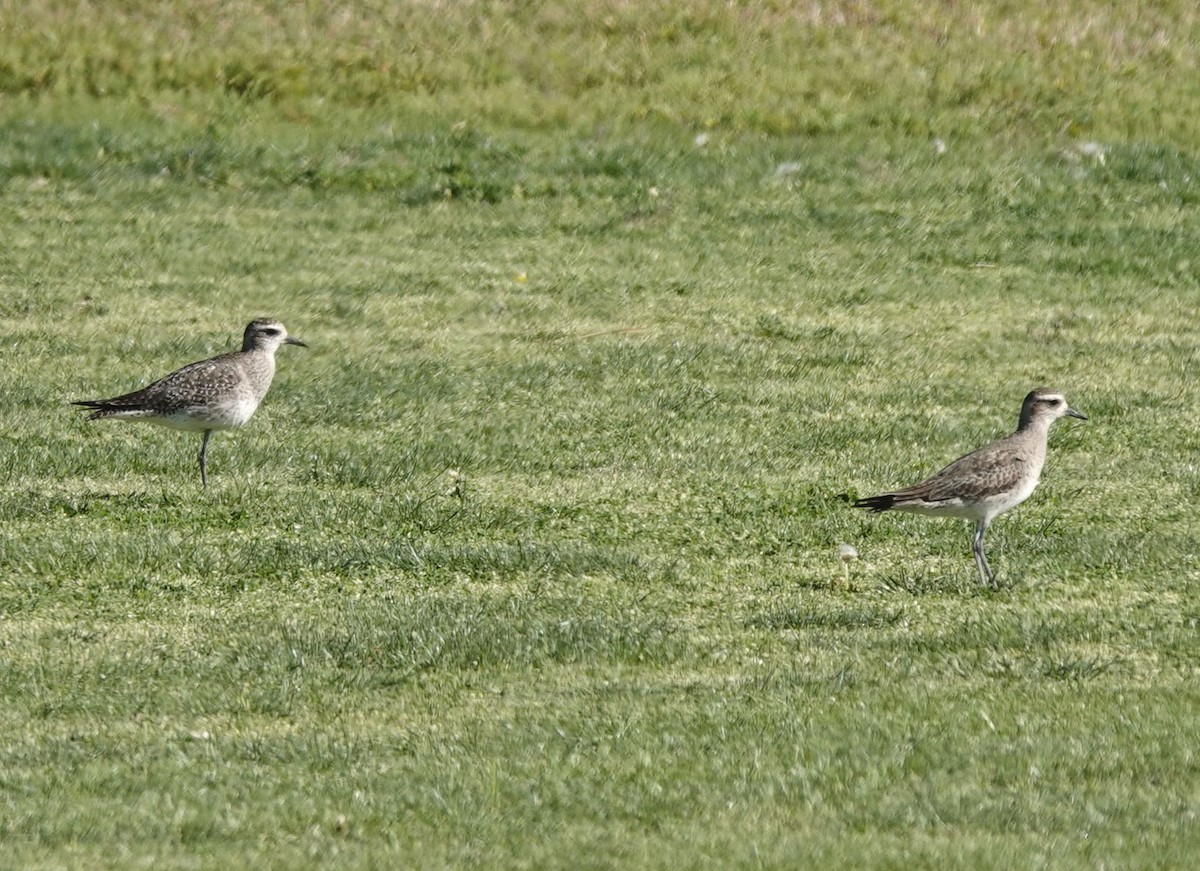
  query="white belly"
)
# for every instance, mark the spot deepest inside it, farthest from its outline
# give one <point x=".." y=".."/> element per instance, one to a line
<point x="227" y="415"/>
<point x="983" y="509"/>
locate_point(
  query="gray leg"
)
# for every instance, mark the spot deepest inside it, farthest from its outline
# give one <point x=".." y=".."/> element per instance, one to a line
<point x="981" y="563"/>
<point x="204" y="458"/>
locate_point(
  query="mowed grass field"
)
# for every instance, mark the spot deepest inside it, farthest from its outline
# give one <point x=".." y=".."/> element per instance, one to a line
<point x="530" y="559"/>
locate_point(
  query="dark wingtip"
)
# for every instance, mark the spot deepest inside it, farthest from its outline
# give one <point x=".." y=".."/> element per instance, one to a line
<point x="876" y="503"/>
<point x="97" y="407"/>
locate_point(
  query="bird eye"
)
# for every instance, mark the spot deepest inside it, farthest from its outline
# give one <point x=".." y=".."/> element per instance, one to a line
<point x="1055" y="401"/>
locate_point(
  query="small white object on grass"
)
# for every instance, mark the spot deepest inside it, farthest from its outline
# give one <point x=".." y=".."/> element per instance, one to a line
<point x="847" y="553"/>
<point x="457" y="483"/>
<point x="1093" y="150"/>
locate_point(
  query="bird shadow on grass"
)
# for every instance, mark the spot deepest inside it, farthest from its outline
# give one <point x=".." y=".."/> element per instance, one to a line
<point x="917" y="583"/>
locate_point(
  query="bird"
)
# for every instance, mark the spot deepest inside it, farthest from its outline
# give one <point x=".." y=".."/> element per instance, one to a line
<point x="989" y="481"/>
<point x="222" y="392"/>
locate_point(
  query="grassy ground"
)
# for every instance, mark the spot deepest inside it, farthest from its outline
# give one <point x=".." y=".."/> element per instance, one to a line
<point x="530" y="560"/>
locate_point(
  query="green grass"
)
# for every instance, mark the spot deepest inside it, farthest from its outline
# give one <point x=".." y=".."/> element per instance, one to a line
<point x="530" y="559"/>
<point x="1084" y="67"/>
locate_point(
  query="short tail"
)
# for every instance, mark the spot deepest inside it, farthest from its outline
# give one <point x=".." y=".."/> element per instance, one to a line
<point x="882" y="502"/>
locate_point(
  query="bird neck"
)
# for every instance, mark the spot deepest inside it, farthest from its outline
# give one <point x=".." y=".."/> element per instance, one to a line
<point x="1038" y="423"/>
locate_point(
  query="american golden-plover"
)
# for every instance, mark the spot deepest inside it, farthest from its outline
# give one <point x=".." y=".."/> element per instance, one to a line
<point x="219" y="393"/>
<point x="987" y="482"/>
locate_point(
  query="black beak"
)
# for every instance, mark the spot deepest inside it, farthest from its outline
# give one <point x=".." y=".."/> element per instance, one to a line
<point x="292" y="340"/>
<point x="1079" y="414"/>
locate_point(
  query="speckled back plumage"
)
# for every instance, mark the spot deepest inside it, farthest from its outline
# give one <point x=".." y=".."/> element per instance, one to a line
<point x="202" y="395"/>
<point x="994" y="469"/>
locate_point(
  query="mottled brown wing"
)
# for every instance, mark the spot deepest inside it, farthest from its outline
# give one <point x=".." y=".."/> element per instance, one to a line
<point x="990" y="470"/>
<point x="181" y="389"/>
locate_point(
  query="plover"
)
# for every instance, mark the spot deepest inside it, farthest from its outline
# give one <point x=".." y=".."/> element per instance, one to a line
<point x="219" y="393"/>
<point x="987" y="482"/>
